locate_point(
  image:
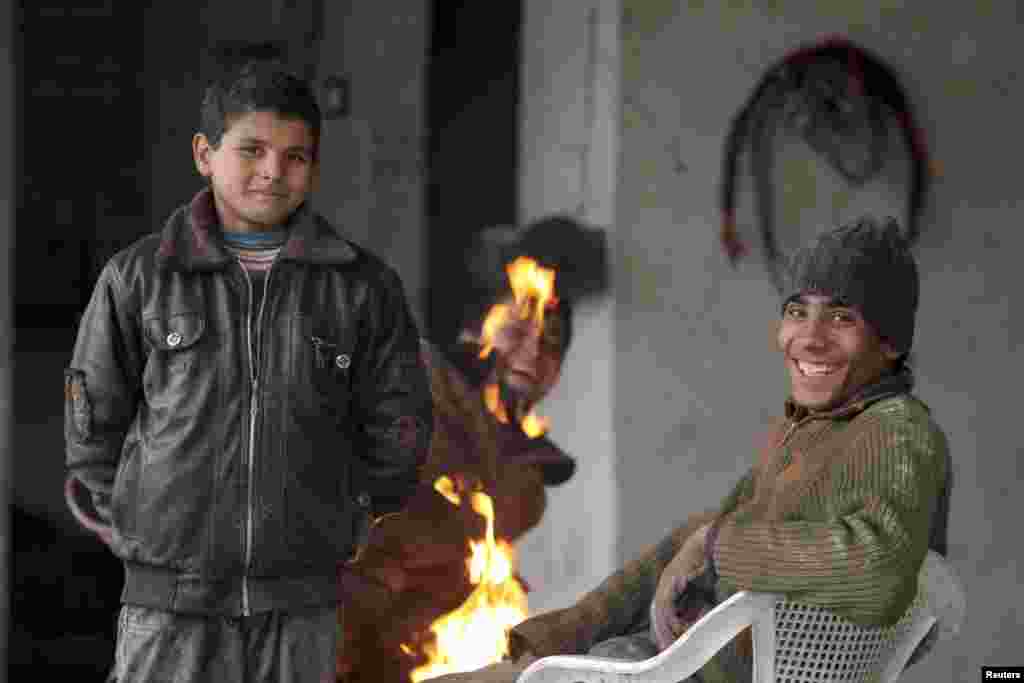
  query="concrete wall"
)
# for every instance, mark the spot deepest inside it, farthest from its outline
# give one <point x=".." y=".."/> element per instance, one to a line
<point x="697" y="373"/>
<point x="7" y="203"/>
<point x="569" y="109"/>
<point x="372" y="174"/>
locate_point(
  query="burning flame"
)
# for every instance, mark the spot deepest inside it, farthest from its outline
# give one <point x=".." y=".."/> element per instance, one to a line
<point x="534" y="425"/>
<point x="493" y="402"/>
<point x="476" y="633"/>
<point x="533" y="293"/>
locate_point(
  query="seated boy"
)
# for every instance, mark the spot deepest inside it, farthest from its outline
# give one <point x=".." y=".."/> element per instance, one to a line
<point x="841" y="506"/>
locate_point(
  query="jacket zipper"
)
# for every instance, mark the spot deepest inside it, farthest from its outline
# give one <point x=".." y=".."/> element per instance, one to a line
<point x="253" y="412"/>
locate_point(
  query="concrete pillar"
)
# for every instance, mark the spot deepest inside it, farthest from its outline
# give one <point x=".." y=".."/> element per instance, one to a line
<point x="569" y="137"/>
<point x="372" y="168"/>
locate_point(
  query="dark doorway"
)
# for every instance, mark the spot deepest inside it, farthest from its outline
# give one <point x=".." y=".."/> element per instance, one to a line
<point x="473" y="143"/>
<point x="82" y="193"/>
<point x="81" y="155"/>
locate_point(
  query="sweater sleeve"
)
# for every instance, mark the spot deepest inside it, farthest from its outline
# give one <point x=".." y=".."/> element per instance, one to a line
<point x="859" y="533"/>
<point x="621" y="601"/>
<point x="610" y="609"/>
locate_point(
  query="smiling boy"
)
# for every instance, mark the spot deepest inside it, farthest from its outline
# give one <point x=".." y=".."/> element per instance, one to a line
<point x="244" y="393"/>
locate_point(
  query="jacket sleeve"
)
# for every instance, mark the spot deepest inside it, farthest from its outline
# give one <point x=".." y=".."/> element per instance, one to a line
<point x="863" y="559"/>
<point x="102" y="388"/>
<point x="393" y="403"/>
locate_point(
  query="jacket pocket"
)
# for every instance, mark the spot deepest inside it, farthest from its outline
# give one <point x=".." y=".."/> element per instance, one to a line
<point x="324" y="372"/>
<point x="174" y="341"/>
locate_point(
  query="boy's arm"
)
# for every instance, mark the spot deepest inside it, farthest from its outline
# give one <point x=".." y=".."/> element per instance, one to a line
<point x="393" y="402"/>
<point x="611" y="609"/>
<point x="101" y="389"/>
<point x="622" y="600"/>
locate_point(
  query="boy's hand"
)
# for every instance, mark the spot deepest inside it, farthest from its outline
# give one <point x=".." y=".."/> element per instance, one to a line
<point x="76" y="495"/>
<point x="667" y="621"/>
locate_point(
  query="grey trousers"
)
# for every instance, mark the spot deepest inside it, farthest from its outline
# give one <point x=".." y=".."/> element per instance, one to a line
<point x="154" y="646"/>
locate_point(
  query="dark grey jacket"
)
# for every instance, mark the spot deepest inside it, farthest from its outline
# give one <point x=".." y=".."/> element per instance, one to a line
<point x="236" y="449"/>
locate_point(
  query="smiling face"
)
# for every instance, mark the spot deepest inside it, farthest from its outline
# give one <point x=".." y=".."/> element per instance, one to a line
<point x="530" y="358"/>
<point x="830" y="351"/>
<point x="262" y="170"/>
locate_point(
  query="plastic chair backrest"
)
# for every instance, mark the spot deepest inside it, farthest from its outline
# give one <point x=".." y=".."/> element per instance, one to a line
<point x="805" y="644"/>
<point x="793" y="643"/>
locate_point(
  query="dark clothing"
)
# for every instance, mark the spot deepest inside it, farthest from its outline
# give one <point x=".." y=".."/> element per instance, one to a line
<point x="234" y="468"/>
<point x="429" y="540"/>
<point x="272" y="647"/>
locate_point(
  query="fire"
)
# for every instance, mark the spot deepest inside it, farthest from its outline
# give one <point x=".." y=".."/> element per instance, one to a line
<point x="494" y="404"/>
<point x="533" y="293"/>
<point x="476" y="633"/>
<point x="534" y="425"/>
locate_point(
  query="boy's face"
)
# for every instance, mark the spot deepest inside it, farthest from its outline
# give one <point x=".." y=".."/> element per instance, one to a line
<point x="530" y="356"/>
<point x="830" y="350"/>
<point x="262" y="171"/>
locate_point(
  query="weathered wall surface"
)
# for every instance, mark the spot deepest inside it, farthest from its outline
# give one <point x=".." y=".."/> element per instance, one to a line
<point x="696" y="371"/>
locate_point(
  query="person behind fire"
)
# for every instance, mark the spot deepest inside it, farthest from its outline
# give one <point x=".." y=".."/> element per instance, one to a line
<point x="414" y="567"/>
<point x="244" y="389"/>
<point x="839" y="508"/>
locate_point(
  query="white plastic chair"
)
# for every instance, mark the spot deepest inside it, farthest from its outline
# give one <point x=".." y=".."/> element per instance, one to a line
<point x="793" y="643"/>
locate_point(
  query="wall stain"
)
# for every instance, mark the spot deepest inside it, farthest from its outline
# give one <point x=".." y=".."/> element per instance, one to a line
<point x="647" y="280"/>
<point x="961" y="87"/>
<point x="841" y="199"/>
<point x="990" y="241"/>
<point x="1005" y="84"/>
<point x="647" y="17"/>
<point x="675" y="150"/>
<point x="684" y="432"/>
<point x="798" y="182"/>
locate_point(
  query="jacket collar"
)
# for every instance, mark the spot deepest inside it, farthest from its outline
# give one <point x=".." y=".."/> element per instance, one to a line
<point x="191" y="239"/>
<point x="900" y="382"/>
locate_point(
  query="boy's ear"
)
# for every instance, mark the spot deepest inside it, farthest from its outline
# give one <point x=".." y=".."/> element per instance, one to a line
<point x="201" y="150"/>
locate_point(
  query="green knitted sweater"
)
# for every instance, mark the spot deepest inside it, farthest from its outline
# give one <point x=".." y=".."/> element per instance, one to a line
<point x="838" y="512"/>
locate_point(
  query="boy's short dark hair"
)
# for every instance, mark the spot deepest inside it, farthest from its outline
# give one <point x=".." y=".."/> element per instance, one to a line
<point x="257" y="85"/>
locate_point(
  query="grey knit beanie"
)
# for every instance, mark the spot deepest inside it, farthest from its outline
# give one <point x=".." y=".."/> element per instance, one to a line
<point x="863" y="264"/>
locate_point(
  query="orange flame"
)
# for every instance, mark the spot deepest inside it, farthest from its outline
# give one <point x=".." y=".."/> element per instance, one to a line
<point x="533" y="293"/>
<point x="493" y="402"/>
<point x="476" y="633"/>
<point x="533" y="425"/>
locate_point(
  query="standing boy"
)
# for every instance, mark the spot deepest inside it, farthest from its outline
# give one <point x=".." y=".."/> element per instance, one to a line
<point x="245" y="392"/>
